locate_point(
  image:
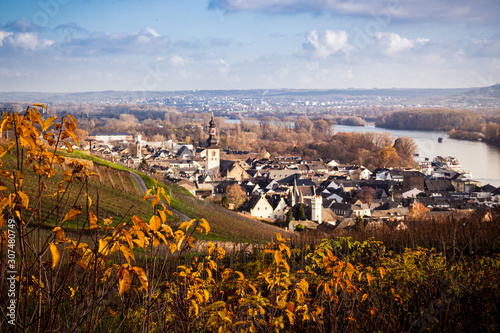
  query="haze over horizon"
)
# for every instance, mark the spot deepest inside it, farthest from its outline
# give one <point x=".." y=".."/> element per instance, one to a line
<point x="153" y="45"/>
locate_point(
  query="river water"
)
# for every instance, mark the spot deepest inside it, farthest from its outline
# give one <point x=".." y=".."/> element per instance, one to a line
<point x="481" y="159"/>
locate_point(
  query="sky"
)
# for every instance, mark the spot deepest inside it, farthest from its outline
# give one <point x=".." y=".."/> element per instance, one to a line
<point x="155" y="45"/>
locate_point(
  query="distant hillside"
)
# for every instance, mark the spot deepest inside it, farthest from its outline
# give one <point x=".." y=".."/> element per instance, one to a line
<point x="293" y="94"/>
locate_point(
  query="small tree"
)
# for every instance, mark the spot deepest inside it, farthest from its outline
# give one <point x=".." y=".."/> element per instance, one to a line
<point x="289" y="216"/>
<point x="360" y="223"/>
<point x="236" y="195"/>
<point x="299" y="227"/>
<point x="144" y="166"/>
<point x="417" y="211"/>
<point x="225" y="201"/>
<point x="300" y="214"/>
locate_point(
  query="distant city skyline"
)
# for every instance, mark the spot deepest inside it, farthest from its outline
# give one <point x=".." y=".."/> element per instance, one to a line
<point x="153" y="45"/>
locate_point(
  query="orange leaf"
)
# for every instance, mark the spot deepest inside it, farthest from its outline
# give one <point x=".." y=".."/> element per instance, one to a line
<point x="125" y="280"/>
<point x="59" y="233"/>
<point x="93" y="221"/>
<point x="141" y="275"/>
<point x="56" y="256"/>
<point x="382" y="272"/>
<point x="73" y="212"/>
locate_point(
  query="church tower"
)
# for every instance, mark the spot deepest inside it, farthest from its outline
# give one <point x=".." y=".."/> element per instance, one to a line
<point x="316" y="206"/>
<point x="213" y="151"/>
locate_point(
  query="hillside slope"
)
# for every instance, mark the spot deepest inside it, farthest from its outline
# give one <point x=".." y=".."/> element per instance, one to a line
<point x="225" y="224"/>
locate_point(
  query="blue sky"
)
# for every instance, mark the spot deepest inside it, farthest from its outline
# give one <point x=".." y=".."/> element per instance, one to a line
<point x="94" y="45"/>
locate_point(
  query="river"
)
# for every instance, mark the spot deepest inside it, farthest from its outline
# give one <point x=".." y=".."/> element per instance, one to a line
<point x="481" y="159"/>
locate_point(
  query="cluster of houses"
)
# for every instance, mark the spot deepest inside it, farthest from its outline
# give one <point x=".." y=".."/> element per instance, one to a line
<point x="326" y="192"/>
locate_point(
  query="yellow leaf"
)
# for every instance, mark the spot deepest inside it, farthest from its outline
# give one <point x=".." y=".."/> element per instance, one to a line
<point x="278" y="257"/>
<point x="3" y="152"/>
<point x="365" y="296"/>
<point x="24" y="199"/>
<point x="127" y="253"/>
<point x="155" y="201"/>
<point x="373" y="311"/>
<point x="162" y="237"/>
<point x="141" y="275"/>
<point x="72" y="119"/>
<point x="73" y="212"/>
<point x="163" y="216"/>
<point x="154" y="223"/>
<point x="40" y="105"/>
<point x="93" y="221"/>
<point x="108" y="221"/>
<point x="220" y="253"/>
<point x="210" y="247"/>
<point x="195" y="306"/>
<point x="382" y="272"/>
<point x="142" y="238"/>
<point x="167" y="229"/>
<point x="103" y="247"/>
<point x="167" y="198"/>
<point x="369" y="278"/>
<point x="186" y="225"/>
<point x="68" y="145"/>
<point x="139" y="223"/>
<point x="56" y="256"/>
<point x="146" y="196"/>
<point x="290" y="316"/>
<point x="205" y="225"/>
<point x="172" y="247"/>
<point x="59" y="233"/>
<point x="125" y="280"/>
<point x="47" y="123"/>
<point x="128" y="237"/>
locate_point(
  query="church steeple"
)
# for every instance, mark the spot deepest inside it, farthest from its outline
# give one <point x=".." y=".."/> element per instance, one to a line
<point x="213" y="152"/>
<point x="212" y="139"/>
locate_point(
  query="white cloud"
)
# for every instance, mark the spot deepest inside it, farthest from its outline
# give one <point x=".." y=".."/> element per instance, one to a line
<point x="329" y="43"/>
<point x="96" y="44"/>
<point x="177" y="61"/>
<point x="29" y="41"/>
<point x="150" y="31"/>
<point x="3" y="35"/>
<point x="392" y="43"/>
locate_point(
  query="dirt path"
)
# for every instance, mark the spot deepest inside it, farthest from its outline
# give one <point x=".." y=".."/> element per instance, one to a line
<point x="144" y="189"/>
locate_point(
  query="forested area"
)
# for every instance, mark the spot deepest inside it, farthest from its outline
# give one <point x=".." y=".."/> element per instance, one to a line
<point x="432" y="120"/>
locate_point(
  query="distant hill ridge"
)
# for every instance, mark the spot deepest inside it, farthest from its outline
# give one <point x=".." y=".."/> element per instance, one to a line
<point x="249" y="93"/>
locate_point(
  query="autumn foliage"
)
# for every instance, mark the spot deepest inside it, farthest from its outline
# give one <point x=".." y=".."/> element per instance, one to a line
<point x="139" y="275"/>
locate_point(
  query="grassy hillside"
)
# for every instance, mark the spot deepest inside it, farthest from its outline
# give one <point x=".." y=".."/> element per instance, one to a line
<point x="225" y="225"/>
<point x="113" y="194"/>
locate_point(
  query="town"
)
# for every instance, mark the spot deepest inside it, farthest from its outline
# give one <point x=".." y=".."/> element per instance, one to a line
<point x="298" y="193"/>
